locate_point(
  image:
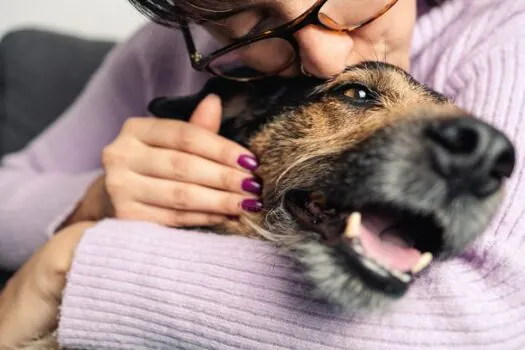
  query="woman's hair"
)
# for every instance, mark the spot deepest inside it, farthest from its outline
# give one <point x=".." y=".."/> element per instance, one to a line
<point x="168" y="12"/>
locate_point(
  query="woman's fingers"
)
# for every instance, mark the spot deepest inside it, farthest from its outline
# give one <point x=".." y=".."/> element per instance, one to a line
<point x="170" y="217"/>
<point x="208" y="114"/>
<point x="189" y="138"/>
<point x="179" y="173"/>
<point x="187" y="168"/>
<point x="188" y="197"/>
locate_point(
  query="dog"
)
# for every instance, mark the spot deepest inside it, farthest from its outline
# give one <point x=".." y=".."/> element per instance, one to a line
<point x="367" y="177"/>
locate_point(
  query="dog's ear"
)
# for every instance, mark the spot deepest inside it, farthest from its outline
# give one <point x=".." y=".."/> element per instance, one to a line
<point x="234" y="98"/>
<point x="182" y="107"/>
<point x="246" y="106"/>
<point x="174" y="107"/>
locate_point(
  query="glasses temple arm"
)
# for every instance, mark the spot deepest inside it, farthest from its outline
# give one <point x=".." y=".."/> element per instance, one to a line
<point x="188" y="39"/>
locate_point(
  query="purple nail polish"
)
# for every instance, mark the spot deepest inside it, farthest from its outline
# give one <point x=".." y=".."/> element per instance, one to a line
<point x="251" y="205"/>
<point x="248" y="162"/>
<point x="251" y="186"/>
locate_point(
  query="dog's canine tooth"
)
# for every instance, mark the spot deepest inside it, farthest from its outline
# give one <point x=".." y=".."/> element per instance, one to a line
<point x="353" y="225"/>
<point x="423" y="262"/>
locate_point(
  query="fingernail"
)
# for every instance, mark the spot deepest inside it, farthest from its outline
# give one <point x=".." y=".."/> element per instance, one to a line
<point x="251" y="205"/>
<point x="248" y="162"/>
<point x="251" y="186"/>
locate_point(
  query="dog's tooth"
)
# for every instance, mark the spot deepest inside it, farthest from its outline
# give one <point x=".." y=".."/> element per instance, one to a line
<point x="353" y="225"/>
<point x="356" y="246"/>
<point x="423" y="262"/>
<point x="401" y="275"/>
<point x="372" y="265"/>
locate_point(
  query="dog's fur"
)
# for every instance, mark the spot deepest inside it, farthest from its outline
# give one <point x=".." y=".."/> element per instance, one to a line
<point x="312" y="135"/>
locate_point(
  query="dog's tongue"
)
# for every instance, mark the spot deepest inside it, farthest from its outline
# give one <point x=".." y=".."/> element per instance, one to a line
<point x="389" y="249"/>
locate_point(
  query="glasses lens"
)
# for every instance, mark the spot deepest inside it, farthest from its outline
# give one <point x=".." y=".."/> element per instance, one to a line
<point x="348" y="14"/>
<point x="256" y="60"/>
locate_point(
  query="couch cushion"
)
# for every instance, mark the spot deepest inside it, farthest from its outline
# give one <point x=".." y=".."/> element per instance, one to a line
<point x="41" y="73"/>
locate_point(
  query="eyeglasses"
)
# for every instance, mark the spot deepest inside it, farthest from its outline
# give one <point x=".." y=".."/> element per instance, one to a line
<point x="273" y="50"/>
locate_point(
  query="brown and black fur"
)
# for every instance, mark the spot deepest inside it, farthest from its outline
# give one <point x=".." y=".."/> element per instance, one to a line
<point x="310" y="136"/>
<point x="315" y="136"/>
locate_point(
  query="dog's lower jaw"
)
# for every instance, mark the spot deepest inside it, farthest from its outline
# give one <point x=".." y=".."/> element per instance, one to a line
<point x="331" y="279"/>
<point x="336" y="283"/>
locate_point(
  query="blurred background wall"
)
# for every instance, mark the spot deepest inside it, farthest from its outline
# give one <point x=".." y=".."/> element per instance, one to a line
<point x="104" y="19"/>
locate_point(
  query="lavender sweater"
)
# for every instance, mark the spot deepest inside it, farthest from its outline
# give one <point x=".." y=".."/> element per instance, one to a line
<point x="138" y="285"/>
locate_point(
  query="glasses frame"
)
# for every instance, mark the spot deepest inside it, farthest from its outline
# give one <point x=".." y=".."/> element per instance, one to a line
<point x="285" y="31"/>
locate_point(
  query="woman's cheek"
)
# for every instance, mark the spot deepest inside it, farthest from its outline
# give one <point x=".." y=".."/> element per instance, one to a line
<point x="388" y="38"/>
<point x="396" y="24"/>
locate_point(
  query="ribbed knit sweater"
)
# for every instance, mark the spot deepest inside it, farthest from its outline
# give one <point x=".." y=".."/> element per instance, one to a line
<point x="136" y="285"/>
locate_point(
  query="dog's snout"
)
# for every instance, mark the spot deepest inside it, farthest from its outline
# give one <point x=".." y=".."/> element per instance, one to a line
<point x="470" y="154"/>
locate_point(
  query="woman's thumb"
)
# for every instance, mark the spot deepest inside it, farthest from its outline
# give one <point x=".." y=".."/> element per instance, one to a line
<point x="208" y="113"/>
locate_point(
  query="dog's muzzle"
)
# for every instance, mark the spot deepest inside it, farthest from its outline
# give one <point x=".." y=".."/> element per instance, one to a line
<point x="410" y="192"/>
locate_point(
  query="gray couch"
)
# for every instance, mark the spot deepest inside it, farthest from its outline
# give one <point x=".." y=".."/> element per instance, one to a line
<point x="41" y="73"/>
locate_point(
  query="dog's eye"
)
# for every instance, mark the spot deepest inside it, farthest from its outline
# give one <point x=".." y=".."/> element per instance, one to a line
<point x="358" y="94"/>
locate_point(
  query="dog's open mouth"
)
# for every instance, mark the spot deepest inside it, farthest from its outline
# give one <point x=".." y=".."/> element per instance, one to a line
<point x="387" y="244"/>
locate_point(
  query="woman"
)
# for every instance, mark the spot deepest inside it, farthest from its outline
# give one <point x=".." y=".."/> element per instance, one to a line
<point x="141" y="284"/>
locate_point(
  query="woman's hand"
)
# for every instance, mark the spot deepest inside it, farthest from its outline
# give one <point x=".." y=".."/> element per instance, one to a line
<point x="29" y="302"/>
<point x="173" y="173"/>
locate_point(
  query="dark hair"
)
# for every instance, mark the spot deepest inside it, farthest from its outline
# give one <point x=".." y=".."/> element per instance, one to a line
<point x="168" y="12"/>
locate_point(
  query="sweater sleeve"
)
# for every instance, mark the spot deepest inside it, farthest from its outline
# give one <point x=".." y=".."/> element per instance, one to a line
<point x="42" y="184"/>
<point x="135" y="285"/>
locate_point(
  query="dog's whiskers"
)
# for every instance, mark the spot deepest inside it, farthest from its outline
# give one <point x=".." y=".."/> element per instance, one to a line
<point x="278" y="222"/>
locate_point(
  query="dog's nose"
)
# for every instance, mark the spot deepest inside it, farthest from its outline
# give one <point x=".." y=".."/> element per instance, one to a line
<point x="470" y="154"/>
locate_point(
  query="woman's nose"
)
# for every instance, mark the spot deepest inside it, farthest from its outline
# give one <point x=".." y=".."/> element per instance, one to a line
<point x="323" y="53"/>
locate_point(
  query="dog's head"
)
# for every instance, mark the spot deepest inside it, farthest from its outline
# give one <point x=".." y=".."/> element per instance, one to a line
<point x="406" y="173"/>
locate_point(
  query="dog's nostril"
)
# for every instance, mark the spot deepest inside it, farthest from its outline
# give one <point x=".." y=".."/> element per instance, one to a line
<point x="470" y="154"/>
<point x="454" y="138"/>
<point x="504" y="164"/>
